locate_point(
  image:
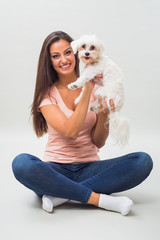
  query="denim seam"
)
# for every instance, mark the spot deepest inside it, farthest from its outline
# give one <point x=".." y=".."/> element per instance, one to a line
<point x="87" y="196"/>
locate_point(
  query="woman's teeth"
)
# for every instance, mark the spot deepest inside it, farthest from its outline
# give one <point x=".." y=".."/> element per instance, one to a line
<point x="65" y="66"/>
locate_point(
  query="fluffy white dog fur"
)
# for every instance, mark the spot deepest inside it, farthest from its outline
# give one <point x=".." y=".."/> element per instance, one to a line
<point x="90" y="52"/>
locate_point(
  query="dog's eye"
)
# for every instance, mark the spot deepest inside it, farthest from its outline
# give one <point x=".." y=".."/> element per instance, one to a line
<point x="92" y="47"/>
<point x="83" y="46"/>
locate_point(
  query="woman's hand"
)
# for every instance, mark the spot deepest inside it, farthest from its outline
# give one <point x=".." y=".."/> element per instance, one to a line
<point x="100" y="131"/>
<point x="90" y="84"/>
<point x="99" y="77"/>
<point x="104" y="109"/>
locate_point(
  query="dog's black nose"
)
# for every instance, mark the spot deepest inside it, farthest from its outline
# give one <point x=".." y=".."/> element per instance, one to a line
<point x="87" y="54"/>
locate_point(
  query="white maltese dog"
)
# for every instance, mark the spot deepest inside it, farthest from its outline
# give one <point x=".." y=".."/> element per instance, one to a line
<point x="90" y="51"/>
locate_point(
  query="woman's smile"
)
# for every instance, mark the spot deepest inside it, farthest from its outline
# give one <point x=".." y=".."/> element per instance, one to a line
<point x="65" y="67"/>
<point x="62" y="57"/>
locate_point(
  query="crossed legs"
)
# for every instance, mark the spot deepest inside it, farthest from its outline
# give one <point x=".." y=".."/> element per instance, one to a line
<point x="93" y="185"/>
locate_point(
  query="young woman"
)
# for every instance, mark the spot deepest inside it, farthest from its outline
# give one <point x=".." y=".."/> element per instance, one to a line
<point x="71" y="168"/>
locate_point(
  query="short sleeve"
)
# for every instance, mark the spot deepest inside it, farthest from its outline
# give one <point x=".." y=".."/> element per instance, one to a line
<point x="47" y="101"/>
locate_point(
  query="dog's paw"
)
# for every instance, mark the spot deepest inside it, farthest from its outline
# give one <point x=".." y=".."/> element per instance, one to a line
<point x="94" y="109"/>
<point x="77" y="100"/>
<point x="95" y="106"/>
<point x="72" y="86"/>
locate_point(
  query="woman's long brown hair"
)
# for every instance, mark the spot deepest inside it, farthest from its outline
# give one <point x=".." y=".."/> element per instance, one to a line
<point x="46" y="77"/>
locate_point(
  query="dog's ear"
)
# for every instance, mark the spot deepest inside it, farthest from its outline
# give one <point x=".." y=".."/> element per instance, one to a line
<point x="102" y="47"/>
<point x="75" y="45"/>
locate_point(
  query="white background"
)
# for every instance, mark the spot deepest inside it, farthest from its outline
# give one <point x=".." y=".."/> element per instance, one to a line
<point x="130" y="30"/>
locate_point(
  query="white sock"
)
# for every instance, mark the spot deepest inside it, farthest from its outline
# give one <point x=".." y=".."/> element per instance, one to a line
<point x="49" y="202"/>
<point x="117" y="204"/>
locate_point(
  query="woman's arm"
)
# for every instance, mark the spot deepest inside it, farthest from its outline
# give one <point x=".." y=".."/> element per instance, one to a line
<point x="72" y="126"/>
<point x="100" y="131"/>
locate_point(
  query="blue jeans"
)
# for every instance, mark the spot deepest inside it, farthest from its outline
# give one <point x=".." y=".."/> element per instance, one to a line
<point x="77" y="181"/>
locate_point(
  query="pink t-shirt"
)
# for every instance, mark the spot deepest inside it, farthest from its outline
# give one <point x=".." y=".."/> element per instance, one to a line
<point x="62" y="149"/>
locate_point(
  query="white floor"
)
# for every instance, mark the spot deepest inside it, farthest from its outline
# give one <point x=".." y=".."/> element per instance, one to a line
<point x="22" y="217"/>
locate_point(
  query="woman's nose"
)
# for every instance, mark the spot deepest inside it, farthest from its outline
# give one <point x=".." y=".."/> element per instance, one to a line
<point x="63" y="58"/>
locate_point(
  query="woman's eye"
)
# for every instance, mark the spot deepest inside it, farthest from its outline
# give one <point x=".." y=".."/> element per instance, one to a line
<point x="83" y="46"/>
<point x="68" y="52"/>
<point x="55" y="56"/>
<point x="92" y="47"/>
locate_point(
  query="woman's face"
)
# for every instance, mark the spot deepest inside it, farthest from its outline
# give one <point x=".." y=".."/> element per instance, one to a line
<point x="62" y="57"/>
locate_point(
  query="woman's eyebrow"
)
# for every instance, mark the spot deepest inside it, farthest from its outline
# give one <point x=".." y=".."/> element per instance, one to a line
<point x="58" y="52"/>
<point x="54" y="52"/>
<point x="67" y="49"/>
